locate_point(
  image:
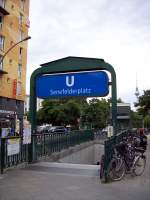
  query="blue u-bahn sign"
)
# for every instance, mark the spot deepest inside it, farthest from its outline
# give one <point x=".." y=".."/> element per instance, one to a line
<point x="91" y="84"/>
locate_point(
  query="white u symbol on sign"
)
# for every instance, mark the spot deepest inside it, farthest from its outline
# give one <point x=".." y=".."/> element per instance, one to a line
<point x="70" y="82"/>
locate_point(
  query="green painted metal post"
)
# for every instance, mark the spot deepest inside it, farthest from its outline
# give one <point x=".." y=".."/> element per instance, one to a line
<point x="2" y="154"/>
<point x="114" y="101"/>
<point x="32" y="115"/>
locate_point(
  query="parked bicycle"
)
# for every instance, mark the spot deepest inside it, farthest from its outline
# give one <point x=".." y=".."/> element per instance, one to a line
<point x="126" y="158"/>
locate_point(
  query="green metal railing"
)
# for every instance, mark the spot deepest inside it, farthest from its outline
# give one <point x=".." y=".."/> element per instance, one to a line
<point x="46" y="144"/>
<point x="42" y="145"/>
<point x="12" y="160"/>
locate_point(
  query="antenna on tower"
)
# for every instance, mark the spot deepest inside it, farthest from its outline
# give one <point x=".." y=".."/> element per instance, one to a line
<point x="136" y="89"/>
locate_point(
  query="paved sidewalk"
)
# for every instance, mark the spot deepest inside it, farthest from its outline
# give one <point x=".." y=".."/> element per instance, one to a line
<point x="52" y="181"/>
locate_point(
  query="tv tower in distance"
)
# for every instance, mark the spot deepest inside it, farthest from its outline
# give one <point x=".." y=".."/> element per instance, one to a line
<point x="136" y="89"/>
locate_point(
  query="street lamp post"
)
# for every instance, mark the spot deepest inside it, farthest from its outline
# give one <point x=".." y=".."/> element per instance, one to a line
<point x="27" y="38"/>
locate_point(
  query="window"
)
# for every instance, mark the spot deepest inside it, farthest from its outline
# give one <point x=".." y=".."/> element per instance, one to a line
<point x="19" y="70"/>
<point x="12" y="7"/>
<point x="11" y="24"/>
<point x="18" y="88"/>
<point x="1" y="21"/>
<point x="1" y="84"/>
<point x="8" y="80"/>
<point x="1" y="63"/>
<point x="21" y="35"/>
<point x="11" y="43"/>
<point x="20" y="19"/>
<point x="22" y="2"/>
<point x="1" y="42"/>
<point x="2" y="3"/>
<point x="10" y="61"/>
<point x="20" y="53"/>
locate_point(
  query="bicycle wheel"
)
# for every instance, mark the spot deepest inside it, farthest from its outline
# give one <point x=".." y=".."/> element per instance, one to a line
<point x="101" y="174"/>
<point x="102" y="167"/>
<point x="139" y="165"/>
<point x="116" y="169"/>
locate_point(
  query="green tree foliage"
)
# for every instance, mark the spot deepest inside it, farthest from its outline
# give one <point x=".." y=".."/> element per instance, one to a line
<point x="74" y="110"/>
<point x="147" y="121"/>
<point x="144" y="103"/>
<point x="95" y="113"/>
<point x="59" y="112"/>
<point x="119" y="100"/>
<point x="136" y="120"/>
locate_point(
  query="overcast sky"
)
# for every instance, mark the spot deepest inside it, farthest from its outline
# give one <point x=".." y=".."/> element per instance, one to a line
<point x="117" y="31"/>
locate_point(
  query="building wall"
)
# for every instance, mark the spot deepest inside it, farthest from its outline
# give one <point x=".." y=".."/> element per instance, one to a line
<point x="123" y="115"/>
<point x="10" y="30"/>
<point x="27" y="104"/>
<point x="14" y="24"/>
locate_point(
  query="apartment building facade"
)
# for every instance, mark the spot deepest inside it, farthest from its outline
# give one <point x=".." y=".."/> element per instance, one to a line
<point x="14" y="25"/>
<point x="27" y="104"/>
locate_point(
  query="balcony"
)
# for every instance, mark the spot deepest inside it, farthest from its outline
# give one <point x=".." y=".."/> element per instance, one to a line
<point x="3" y="9"/>
<point x="3" y="72"/>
